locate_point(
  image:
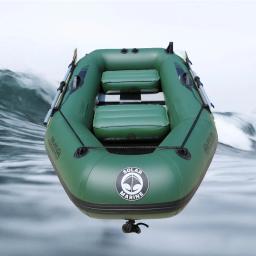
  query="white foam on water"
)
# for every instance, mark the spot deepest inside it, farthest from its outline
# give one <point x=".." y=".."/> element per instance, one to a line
<point x="233" y="130"/>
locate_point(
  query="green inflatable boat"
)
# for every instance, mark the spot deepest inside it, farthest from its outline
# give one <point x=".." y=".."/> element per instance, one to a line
<point x="130" y="133"/>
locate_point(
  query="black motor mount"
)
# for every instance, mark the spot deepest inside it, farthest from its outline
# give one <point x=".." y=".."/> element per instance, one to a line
<point x="131" y="227"/>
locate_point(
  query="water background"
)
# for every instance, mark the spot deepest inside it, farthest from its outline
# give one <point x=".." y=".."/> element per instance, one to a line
<point x="37" y="218"/>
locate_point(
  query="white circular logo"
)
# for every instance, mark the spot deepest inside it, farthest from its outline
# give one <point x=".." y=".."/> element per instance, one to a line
<point x="132" y="183"/>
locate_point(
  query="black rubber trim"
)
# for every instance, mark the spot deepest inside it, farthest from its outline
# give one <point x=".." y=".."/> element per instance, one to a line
<point x="128" y="208"/>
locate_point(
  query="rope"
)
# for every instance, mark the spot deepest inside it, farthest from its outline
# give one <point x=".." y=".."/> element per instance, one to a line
<point x="77" y="136"/>
<point x="192" y="127"/>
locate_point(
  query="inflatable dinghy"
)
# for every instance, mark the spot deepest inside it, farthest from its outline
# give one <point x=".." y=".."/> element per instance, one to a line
<point x="130" y="133"/>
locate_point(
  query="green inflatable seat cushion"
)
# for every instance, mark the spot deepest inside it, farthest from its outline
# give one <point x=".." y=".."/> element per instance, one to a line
<point x="147" y="80"/>
<point x="130" y="122"/>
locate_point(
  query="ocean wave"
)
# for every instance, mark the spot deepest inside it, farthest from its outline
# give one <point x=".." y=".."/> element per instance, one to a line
<point x="236" y="130"/>
<point x="26" y="98"/>
<point x="24" y="95"/>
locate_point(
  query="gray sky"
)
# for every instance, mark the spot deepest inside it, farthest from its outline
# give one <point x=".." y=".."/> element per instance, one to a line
<point x="39" y="37"/>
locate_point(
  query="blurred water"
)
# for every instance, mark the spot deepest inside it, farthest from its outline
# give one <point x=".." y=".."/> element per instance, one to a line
<point x="37" y="218"/>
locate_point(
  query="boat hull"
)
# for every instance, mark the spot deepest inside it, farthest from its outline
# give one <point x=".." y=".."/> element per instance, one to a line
<point x="166" y="178"/>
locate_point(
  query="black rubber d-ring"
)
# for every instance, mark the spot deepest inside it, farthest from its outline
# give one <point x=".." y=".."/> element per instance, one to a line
<point x="183" y="153"/>
<point x="124" y="50"/>
<point x="80" y="152"/>
<point x="135" y="50"/>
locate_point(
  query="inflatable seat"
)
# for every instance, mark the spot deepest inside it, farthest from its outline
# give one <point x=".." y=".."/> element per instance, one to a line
<point x="147" y="80"/>
<point x="130" y="122"/>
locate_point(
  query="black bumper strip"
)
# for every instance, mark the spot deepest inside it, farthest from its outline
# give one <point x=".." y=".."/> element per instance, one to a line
<point x="167" y="207"/>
